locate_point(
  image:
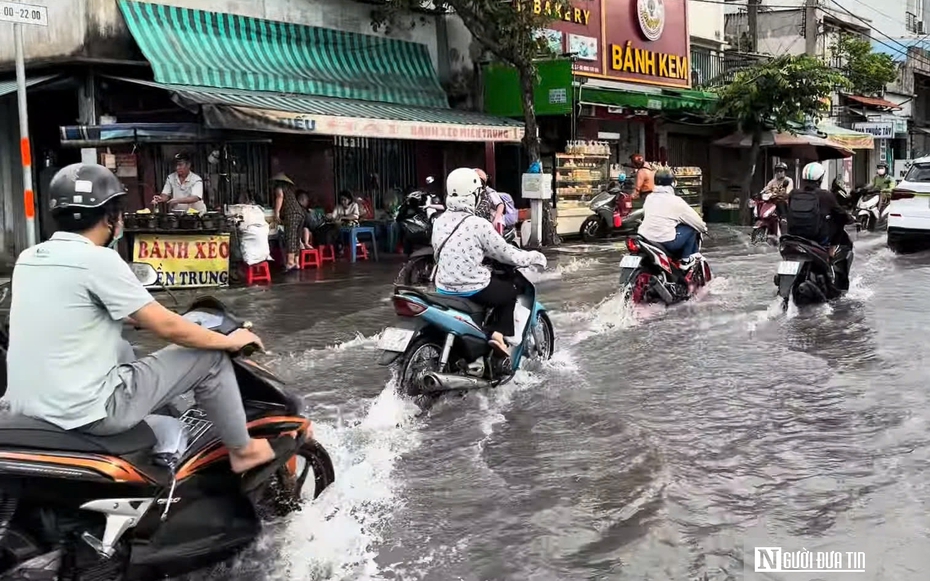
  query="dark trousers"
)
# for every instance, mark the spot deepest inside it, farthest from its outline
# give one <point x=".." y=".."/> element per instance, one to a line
<point x="500" y="295"/>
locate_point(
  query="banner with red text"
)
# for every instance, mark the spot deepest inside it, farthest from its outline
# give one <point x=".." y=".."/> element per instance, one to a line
<point x="185" y="260"/>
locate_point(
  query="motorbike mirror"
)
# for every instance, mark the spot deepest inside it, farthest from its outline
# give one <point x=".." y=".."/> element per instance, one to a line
<point x="145" y="273"/>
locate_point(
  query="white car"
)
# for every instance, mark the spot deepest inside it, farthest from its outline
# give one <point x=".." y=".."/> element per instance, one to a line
<point x="909" y="210"/>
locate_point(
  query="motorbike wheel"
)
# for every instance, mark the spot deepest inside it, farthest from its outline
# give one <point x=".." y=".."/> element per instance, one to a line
<point x="635" y="290"/>
<point x="864" y="223"/>
<point x="592" y="230"/>
<point x="759" y="235"/>
<point x="422" y="357"/>
<point x="544" y="339"/>
<point x="416" y="272"/>
<point x="312" y="456"/>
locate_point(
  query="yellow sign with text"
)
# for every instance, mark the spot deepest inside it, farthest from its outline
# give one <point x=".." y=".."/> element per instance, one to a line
<point x="185" y="260"/>
<point x="629" y="59"/>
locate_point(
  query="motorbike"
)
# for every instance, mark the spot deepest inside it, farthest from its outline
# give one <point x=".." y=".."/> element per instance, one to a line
<point x="871" y="211"/>
<point x="768" y="224"/>
<point x="159" y="500"/>
<point x="610" y="217"/>
<point x="439" y="344"/>
<point x="809" y="274"/>
<point x="649" y="274"/>
<point x="416" y="222"/>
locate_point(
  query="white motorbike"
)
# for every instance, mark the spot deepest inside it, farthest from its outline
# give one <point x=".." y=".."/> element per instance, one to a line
<point x="870" y="215"/>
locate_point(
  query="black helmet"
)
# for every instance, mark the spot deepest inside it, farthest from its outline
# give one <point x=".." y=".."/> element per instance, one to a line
<point x="83" y="185"/>
<point x="664" y="177"/>
<point x="882" y="164"/>
<point x="781" y="166"/>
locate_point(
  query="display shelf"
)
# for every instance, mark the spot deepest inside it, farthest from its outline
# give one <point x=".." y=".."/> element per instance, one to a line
<point x="578" y="177"/>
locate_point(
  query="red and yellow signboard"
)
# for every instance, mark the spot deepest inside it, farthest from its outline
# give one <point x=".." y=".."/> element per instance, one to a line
<point x="644" y="41"/>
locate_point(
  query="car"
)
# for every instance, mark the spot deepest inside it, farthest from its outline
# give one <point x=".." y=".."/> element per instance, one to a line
<point x="909" y="210"/>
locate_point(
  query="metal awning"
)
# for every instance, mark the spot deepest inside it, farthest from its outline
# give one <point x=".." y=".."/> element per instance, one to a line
<point x="9" y="86"/>
<point x="657" y="100"/>
<point x="307" y="115"/>
<point x="227" y="51"/>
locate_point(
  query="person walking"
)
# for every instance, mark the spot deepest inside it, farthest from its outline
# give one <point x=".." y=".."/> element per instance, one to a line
<point x="291" y="215"/>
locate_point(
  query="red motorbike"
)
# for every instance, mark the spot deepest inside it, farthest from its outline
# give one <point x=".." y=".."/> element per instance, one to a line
<point x="767" y="223"/>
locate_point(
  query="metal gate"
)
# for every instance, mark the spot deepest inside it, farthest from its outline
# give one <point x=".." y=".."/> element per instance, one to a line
<point x="374" y="166"/>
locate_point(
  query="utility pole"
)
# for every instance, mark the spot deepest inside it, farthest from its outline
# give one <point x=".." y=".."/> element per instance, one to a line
<point x="810" y="27"/>
<point x="753" y="18"/>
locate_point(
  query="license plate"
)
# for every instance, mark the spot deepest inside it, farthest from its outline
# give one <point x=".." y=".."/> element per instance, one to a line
<point x="630" y="261"/>
<point x="394" y="339"/>
<point x="788" y="267"/>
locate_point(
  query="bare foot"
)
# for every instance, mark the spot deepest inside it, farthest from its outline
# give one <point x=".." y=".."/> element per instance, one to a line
<point x="497" y="342"/>
<point x="255" y="453"/>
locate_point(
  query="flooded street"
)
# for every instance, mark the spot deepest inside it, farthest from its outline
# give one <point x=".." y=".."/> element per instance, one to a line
<point x="654" y="446"/>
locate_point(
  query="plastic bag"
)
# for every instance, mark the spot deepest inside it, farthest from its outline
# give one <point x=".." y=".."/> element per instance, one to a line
<point x="253" y="240"/>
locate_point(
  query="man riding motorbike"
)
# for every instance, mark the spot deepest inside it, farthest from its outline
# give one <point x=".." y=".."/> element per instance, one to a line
<point x="670" y="221"/>
<point x="462" y="241"/>
<point x="883" y="183"/>
<point x="780" y="188"/>
<point x="67" y="363"/>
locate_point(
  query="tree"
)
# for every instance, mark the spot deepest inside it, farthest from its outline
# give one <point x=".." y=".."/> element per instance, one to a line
<point x="775" y="95"/>
<point x="868" y="72"/>
<point x="507" y="29"/>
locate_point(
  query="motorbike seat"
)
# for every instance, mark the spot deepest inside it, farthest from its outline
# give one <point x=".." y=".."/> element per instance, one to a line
<point x="461" y="304"/>
<point x="789" y="240"/>
<point x="659" y="245"/>
<point x="30" y="433"/>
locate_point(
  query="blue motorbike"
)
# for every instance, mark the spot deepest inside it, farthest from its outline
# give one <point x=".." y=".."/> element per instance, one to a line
<point x="439" y="344"/>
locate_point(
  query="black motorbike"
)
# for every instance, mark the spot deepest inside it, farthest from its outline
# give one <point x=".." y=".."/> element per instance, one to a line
<point x="416" y="225"/>
<point x="613" y="215"/>
<point x="157" y="501"/>
<point x="810" y="273"/>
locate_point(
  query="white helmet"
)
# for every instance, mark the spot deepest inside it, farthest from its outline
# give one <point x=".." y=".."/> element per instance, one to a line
<point x="462" y="188"/>
<point x="813" y="172"/>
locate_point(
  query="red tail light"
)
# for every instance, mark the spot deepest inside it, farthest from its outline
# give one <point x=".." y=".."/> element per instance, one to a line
<point x="632" y="245"/>
<point x="407" y="308"/>
<point x="901" y="194"/>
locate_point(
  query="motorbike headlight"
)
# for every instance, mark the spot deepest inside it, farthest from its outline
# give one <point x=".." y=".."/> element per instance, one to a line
<point x="766" y="196"/>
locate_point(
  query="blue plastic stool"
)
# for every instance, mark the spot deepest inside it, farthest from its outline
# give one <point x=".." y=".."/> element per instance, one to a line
<point x="352" y="235"/>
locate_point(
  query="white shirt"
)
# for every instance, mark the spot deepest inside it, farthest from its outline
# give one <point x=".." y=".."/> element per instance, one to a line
<point x="69" y="299"/>
<point x="663" y="211"/>
<point x="192" y="186"/>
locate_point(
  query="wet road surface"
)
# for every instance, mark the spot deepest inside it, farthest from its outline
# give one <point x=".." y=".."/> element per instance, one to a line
<point x="654" y="446"/>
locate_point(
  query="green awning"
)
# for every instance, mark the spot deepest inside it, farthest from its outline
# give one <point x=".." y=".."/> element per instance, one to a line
<point x="225" y="51"/>
<point x="309" y="115"/>
<point x="7" y="87"/>
<point x="666" y="100"/>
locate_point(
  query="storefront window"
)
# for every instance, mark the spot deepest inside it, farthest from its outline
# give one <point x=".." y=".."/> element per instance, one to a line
<point x="374" y="167"/>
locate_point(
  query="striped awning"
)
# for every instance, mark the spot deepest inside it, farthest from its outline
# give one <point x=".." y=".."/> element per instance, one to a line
<point x="226" y="51"/>
<point x="9" y="86"/>
<point x="302" y="114"/>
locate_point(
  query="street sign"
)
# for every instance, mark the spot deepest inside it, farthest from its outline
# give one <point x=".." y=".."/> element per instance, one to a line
<point x="30" y="15"/>
<point x="23" y="13"/>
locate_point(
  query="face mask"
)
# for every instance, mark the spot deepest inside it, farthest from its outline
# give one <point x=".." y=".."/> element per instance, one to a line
<point x="881" y="172"/>
<point x="117" y="235"/>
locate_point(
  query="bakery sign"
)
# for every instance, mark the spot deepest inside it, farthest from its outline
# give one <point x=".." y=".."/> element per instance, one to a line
<point x="643" y="41"/>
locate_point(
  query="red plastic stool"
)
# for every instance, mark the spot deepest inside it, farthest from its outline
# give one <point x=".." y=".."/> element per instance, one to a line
<point x="310" y="257"/>
<point x="258" y="273"/>
<point x="327" y="253"/>
<point x="362" y="251"/>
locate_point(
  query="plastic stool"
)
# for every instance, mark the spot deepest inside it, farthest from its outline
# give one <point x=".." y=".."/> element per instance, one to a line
<point x="258" y="273"/>
<point x="310" y="257"/>
<point x="327" y="253"/>
<point x="362" y="251"/>
<point x="354" y="241"/>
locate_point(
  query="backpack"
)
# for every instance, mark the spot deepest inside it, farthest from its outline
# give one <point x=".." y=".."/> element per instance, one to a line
<point x="510" y="210"/>
<point x="804" y="215"/>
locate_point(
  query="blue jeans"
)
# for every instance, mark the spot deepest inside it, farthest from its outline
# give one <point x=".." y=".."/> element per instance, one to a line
<point x="685" y="243"/>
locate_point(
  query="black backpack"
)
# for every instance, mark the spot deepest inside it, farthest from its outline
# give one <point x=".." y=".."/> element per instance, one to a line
<point x="804" y="216"/>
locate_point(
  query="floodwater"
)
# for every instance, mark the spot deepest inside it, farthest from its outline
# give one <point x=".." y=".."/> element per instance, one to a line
<point x="657" y="445"/>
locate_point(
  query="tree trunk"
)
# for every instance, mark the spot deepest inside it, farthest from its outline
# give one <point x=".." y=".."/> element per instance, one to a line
<point x="527" y="87"/>
<point x="754" y="149"/>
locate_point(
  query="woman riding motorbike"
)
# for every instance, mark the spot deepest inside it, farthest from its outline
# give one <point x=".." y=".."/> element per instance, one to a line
<point x="463" y="241"/>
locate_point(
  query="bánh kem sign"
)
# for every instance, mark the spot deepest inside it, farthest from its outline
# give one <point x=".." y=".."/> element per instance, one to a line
<point x="629" y="59"/>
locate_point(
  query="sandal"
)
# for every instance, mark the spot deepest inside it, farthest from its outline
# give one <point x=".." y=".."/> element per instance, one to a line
<point x="499" y="345"/>
<point x="284" y="449"/>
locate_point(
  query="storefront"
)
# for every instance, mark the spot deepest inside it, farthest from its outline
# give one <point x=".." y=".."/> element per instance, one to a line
<point x="629" y="66"/>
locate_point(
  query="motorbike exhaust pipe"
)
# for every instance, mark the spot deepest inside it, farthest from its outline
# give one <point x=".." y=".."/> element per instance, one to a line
<point x="663" y="292"/>
<point x="440" y="382"/>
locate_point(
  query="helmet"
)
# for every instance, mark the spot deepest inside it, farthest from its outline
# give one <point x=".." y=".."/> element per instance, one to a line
<point x="462" y="187"/>
<point x="882" y="164"/>
<point x="664" y="177"/>
<point x="781" y="166"/>
<point x="83" y="185"/>
<point x="813" y="172"/>
<point x="482" y="175"/>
